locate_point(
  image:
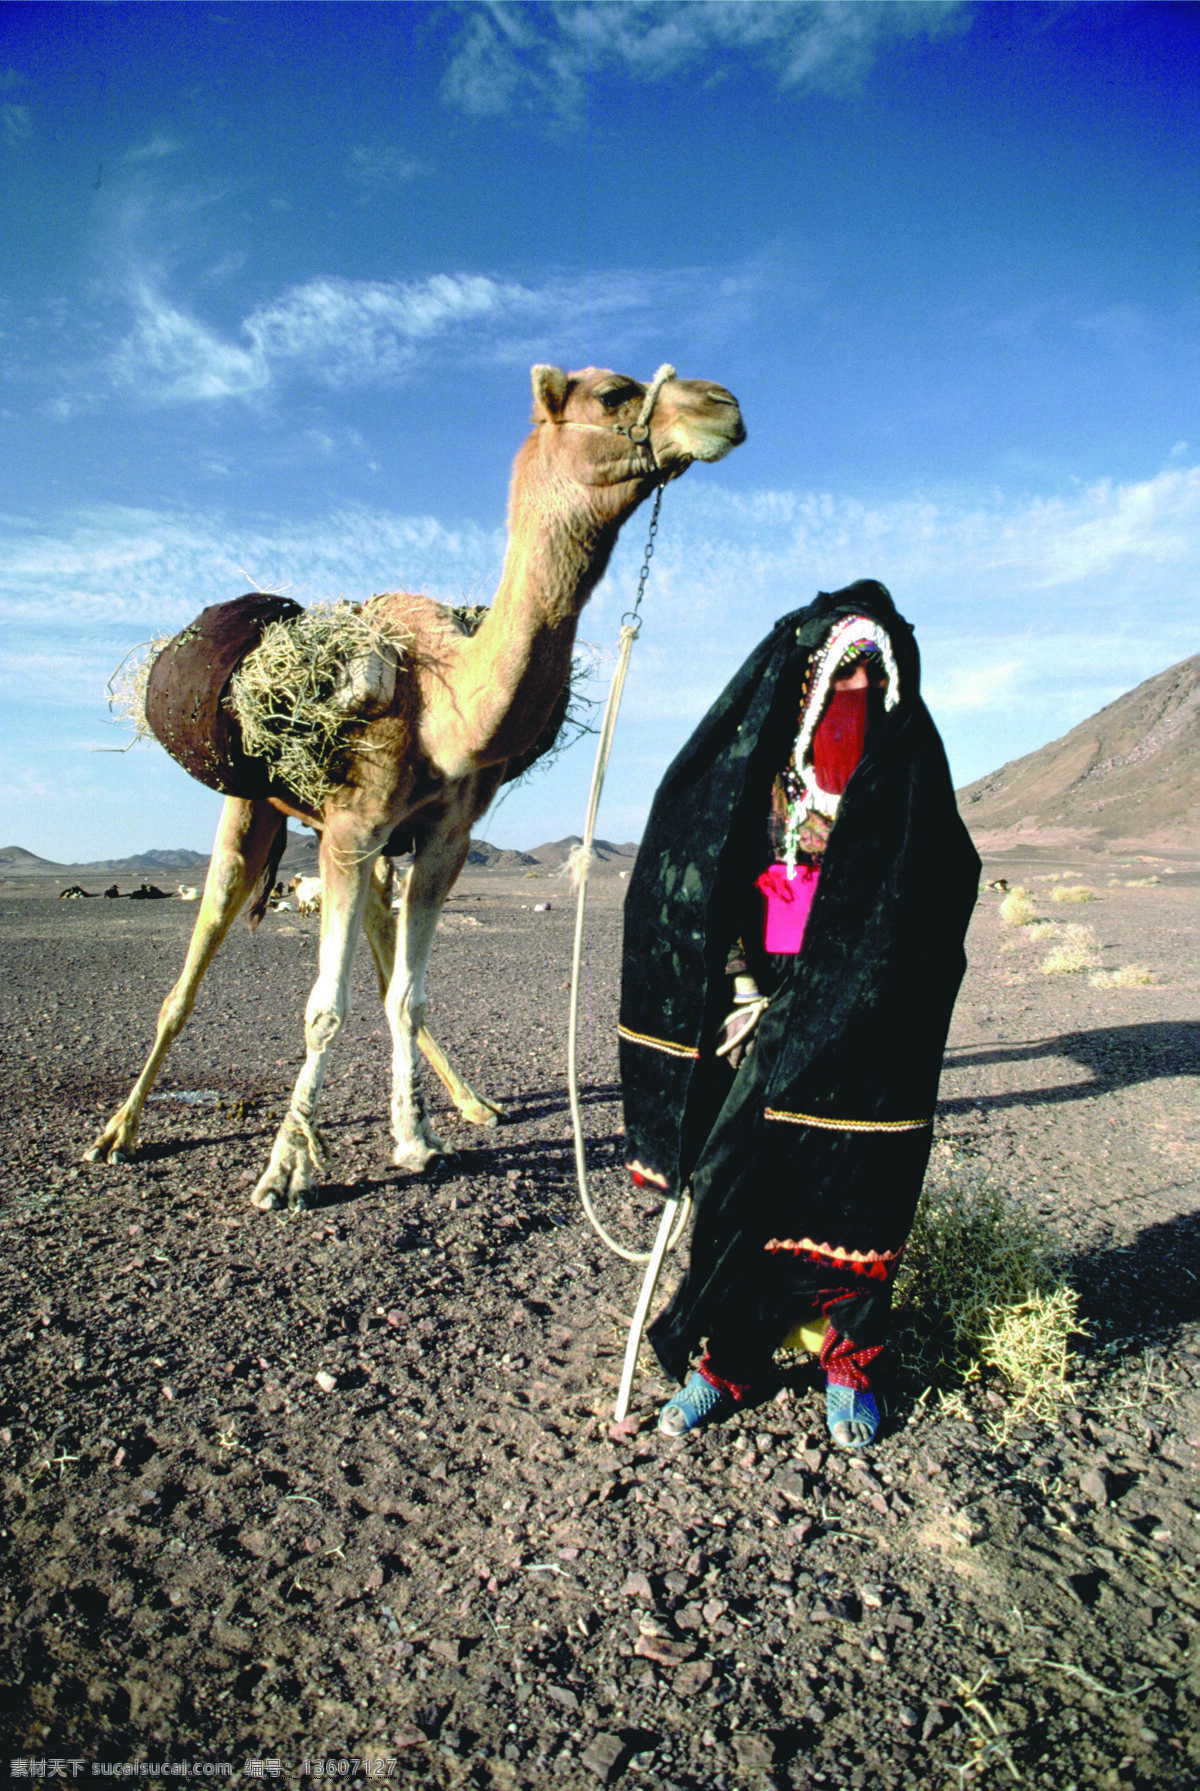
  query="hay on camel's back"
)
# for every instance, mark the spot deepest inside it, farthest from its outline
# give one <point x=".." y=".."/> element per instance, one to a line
<point x="287" y="713"/>
<point x="299" y="696"/>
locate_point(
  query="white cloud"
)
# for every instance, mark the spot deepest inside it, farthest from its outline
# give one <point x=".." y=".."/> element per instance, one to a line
<point x="121" y="570"/>
<point x="1153" y="520"/>
<point x="16" y="123"/>
<point x="972" y="687"/>
<point x="155" y="150"/>
<point x="382" y="165"/>
<point x="1031" y="613"/>
<point x="172" y="357"/>
<point x="510" y="56"/>
<point x="355" y="332"/>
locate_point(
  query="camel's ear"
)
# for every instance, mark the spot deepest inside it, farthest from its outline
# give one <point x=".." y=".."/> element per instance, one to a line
<point x="549" y="390"/>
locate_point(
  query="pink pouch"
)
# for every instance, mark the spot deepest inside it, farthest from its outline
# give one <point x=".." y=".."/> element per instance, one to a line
<point x="788" y="904"/>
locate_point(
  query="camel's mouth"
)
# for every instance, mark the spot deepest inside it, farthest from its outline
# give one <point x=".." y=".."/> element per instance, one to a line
<point x="707" y="423"/>
<point x="708" y="437"/>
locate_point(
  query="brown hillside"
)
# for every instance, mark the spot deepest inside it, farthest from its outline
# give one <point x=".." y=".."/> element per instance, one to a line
<point x="1128" y="774"/>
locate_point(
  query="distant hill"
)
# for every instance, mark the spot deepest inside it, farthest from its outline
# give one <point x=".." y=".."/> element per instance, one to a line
<point x="1129" y="775"/>
<point x="16" y="858"/>
<point x="300" y="856"/>
<point x="16" y="862"/>
<point x="604" y="851"/>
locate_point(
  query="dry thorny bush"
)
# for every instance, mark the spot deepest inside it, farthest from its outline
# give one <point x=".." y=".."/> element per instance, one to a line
<point x="983" y="1293"/>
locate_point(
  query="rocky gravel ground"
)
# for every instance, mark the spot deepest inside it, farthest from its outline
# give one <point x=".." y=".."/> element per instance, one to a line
<point x="339" y="1493"/>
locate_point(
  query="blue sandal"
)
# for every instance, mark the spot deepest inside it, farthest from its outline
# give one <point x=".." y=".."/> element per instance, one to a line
<point x="853" y="1418"/>
<point x="699" y="1402"/>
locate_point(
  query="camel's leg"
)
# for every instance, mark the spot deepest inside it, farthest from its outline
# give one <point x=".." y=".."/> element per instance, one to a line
<point x="440" y="855"/>
<point x="476" y="1109"/>
<point x="244" y="838"/>
<point x="379" y="924"/>
<point x="298" y="1154"/>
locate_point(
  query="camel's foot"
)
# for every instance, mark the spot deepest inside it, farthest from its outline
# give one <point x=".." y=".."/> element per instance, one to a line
<point x="117" y="1142"/>
<point x="297" y="1156"/>
<point x="418" y="1152"/>
<point x="479" y="1111"/>
<point x="476" y="1109"/>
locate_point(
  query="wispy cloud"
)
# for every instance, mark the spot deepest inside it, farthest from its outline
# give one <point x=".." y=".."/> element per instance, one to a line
<point x="382" y="166"/>
<point x="172" y="357"/>
<point x="121" y="570"/>
<point x="156" y="149"/>
<point x="356" y="332"/>
<point x="16" y="120"/>
<point x="1030" y="614"/>
<point x="524" y="57"/>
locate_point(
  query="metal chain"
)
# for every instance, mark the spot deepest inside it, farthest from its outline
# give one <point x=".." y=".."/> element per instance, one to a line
<point x="632" y="617"/>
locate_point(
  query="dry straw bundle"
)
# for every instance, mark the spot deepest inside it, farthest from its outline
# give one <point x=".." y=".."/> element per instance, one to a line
<point x="127" y="686"/>
<point x="297" y="696"/>
<point x="982" y="1289"/>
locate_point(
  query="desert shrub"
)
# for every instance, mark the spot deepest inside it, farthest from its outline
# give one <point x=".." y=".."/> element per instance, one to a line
<point x="1129" y="976"/>
<point x="1076" y="950"/>
<point x="1029" y="1345"/>
<point x="982" y="1290"/>
<point x="1141" y="882"/>
<point x="1072" y="892"/>
<point x="1017" y="909"/>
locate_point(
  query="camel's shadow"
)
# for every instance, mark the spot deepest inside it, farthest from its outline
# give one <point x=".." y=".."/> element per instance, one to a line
<point x="543" y="1103"/>
<point x="1140" y="1295"/>
<point x="1116" y="1056"/>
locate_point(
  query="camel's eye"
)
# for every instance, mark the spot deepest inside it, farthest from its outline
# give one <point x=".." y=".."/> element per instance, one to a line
<point x="616" y="396"/>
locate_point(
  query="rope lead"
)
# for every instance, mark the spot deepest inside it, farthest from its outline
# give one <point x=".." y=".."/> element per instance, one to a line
<point x="676" y="1209"/>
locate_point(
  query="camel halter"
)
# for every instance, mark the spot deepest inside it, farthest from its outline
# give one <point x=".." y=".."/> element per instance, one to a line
<point x="638" y="433"/>
<point x="676" y="1208"/>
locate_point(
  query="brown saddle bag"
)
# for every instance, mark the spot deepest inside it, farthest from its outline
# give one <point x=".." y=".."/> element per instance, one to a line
<point x="187" y="687"/>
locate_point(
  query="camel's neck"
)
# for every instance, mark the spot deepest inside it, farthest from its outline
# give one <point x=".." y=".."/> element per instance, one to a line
<point x="517" y="663"/>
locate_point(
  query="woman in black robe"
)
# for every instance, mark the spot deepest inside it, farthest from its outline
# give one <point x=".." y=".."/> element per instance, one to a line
<point x="793" y="1089"/>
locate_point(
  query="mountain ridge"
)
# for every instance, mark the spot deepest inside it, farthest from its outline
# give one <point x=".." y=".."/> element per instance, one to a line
<point x="301" y="854"/>
<point x="1127" y="775"/>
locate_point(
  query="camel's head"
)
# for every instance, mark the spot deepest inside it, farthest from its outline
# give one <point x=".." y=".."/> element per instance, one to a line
<point x="599" y="423"/>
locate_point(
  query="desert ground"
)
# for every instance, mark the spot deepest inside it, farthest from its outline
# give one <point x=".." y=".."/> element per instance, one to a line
<point x="339" y="1493"/>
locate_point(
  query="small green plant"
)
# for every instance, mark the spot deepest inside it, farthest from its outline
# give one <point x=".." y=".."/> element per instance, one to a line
<point x="982" y="1291"/>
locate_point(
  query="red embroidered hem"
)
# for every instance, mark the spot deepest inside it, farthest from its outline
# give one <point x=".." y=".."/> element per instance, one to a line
<point x="846" y="1366"/>
<point x="738" y="1391"/>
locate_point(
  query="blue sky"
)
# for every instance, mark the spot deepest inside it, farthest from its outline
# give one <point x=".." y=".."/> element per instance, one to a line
<point x="275" y="275"/>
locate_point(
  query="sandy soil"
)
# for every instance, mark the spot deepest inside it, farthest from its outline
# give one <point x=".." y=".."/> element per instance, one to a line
<point x="440" y="1559"/>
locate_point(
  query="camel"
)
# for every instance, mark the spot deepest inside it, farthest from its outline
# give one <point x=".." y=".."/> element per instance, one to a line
<point x="428" y="766"/>
<point x="307" y="891"/>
